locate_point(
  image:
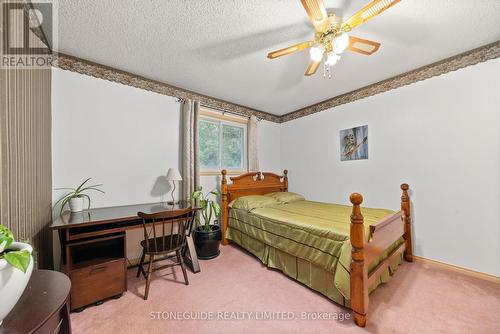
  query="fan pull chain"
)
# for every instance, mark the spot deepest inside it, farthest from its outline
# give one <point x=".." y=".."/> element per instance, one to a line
<point x="327" y="71"/>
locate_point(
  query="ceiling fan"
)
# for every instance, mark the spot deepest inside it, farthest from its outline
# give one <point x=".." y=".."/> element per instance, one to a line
<point x="330" y="36"/>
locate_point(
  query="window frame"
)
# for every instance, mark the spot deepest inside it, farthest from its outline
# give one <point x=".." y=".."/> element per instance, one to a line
<point x="221" y="120"/>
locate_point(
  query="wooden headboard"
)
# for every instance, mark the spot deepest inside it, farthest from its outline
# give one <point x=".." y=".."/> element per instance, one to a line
<point x="255" y="183"/>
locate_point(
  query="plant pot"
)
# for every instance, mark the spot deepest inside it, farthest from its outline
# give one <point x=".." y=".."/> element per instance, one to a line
<point x="76" y="204"/>
<point x="207" y="242"/>
<point x="76" y="217"/>
<point x="13" y="281"/>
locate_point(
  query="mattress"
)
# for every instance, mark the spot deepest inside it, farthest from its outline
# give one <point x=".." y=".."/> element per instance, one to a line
<point x="313" y="234"/>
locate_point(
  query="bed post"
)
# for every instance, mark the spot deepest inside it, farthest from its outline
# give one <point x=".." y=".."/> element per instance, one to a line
<point x="285" y="180"/>
<point x="225" y="208"/>
<point x="405" y="207"/>
<point x="359" y="277"/>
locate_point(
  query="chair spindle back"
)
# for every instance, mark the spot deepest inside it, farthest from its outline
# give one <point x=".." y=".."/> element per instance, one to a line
<point x="173" y="226"/>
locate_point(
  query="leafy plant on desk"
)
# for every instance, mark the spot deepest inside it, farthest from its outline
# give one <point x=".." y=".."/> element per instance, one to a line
<point x="209" y="207"/>
<point x="19" y="259"/>
<point x="77" y="192"/>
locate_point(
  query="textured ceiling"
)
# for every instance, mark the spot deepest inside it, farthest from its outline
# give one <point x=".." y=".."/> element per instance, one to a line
<point x="219" y="48"/>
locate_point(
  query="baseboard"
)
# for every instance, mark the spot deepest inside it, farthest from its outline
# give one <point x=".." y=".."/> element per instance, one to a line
<point x="133" y="262"/>
<point x="473" y="273"/>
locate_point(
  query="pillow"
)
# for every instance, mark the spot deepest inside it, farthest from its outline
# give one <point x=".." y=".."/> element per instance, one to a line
<point x="286" y="197"/>
<point x="251" y="202"/>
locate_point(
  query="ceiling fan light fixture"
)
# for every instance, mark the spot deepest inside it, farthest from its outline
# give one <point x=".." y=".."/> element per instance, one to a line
<point x="332" y="59"/>
<point x="330" y="38"/>
<point x="316" y="52"/>
<point x="340" y="43"/>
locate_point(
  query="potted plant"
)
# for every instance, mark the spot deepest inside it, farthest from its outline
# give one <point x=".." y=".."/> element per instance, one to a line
<point x="76" y="195"/>
<point x="207" y="235"/>
<point x="16" y="266"/>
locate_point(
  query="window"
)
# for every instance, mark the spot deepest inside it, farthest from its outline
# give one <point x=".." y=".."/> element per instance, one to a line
<point x="222" y="143"/>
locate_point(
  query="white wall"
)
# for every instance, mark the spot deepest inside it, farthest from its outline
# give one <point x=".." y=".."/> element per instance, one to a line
<point x="441" y="136"/>
<point x="125" y="138"/>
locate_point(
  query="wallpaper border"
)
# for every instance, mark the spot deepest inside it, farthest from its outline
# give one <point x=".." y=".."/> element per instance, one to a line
<point x="472" y="57"/>
<point x="82" y="66"/>
<point x="468" y="58"/>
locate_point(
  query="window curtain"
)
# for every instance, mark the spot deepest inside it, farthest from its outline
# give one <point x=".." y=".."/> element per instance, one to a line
<point x="253" y="159"/>
<point x="190" y="112"/>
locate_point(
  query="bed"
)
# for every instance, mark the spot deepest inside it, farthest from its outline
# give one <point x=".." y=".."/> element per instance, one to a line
<point x="334" y="249"/>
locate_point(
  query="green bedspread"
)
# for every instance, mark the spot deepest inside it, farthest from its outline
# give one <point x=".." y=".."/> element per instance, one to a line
<point x="302" y="238"/>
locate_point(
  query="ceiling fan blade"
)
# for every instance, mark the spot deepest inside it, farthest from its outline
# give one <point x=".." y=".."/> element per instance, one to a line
<point x="289" y="50"/>
<point x="363" y="46"/>
<point x="316" y="11"/>
<point x="371" y="10"/>
<point x="312" y="67"/>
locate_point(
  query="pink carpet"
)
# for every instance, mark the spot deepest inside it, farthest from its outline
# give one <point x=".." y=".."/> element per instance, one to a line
<point x="240" y="295"/>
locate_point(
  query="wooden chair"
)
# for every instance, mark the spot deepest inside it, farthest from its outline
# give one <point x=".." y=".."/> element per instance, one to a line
<point x="164" y="233"/>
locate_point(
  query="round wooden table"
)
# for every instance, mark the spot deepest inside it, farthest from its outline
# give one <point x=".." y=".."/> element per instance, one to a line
<point x="43" y="306"/>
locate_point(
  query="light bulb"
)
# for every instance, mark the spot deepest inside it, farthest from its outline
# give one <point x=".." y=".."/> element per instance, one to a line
<point x="316" y="52"/>
<point x="340" y="43"/>
<point x="332" y="59"/>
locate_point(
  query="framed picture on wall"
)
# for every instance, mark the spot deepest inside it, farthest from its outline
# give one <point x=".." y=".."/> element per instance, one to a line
<point x="354" y="143"/>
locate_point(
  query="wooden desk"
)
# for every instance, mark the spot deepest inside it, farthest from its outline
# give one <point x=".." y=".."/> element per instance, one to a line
<point x="93" y="248"/>
<point x="43" y="306"/>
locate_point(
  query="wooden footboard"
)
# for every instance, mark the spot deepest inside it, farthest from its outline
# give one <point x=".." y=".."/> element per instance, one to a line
<point x="382" y="235"/>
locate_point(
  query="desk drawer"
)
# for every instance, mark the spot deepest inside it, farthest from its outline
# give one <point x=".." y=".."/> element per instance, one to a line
<point x="97" y="282"/>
